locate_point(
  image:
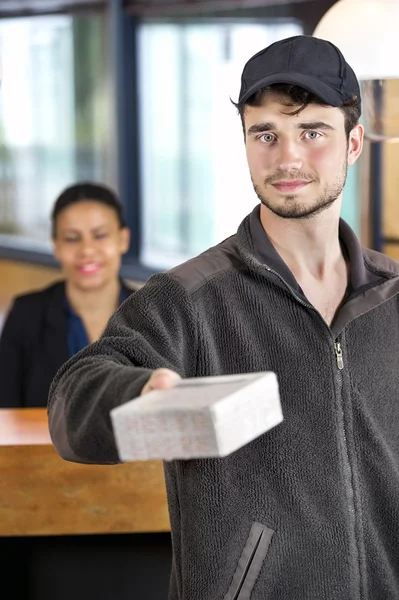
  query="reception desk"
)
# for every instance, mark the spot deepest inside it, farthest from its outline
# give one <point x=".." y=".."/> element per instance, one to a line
<point x="42" y="494"/>
<point x="78" y="531"/>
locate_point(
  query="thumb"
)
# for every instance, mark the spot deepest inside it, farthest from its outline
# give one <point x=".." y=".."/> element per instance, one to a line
<point x="161" y="379"/>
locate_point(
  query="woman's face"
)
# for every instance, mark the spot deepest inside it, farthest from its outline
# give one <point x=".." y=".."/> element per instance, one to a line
<point x="89" y="244"/>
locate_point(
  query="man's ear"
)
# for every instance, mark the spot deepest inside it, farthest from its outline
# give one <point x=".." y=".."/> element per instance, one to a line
<point x="355" y="144"/>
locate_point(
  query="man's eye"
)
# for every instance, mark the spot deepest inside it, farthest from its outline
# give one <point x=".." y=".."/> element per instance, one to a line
<point x="267" y="137"/>
<point x="312" y="135"/>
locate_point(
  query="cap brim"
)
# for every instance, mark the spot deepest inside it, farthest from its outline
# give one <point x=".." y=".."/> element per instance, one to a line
<point x="326" y="93"/>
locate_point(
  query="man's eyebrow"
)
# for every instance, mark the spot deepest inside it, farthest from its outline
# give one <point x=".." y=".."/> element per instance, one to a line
<point x="261" y="127"/>
<point x="315" y="125"/>
<point x="309" y="125"/>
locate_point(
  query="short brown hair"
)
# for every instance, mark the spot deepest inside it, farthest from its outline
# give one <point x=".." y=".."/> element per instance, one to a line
<point x="296" y="96"/>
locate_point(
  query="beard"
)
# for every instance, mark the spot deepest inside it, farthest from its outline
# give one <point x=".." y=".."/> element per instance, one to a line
<point x="293" y="207"/>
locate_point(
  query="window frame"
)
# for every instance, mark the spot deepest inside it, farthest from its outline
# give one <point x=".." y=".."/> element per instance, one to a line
<point x="122" y="27"/>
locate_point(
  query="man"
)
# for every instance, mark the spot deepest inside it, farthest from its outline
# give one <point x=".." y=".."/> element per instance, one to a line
<point x="308" y="511"/>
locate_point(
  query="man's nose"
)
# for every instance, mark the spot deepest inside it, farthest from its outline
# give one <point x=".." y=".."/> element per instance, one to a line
<point x="289" y="158"/>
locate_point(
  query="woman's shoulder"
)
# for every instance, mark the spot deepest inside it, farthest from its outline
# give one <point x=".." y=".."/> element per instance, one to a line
<point x="25" y="315"/>
<point x="40" y="297"/>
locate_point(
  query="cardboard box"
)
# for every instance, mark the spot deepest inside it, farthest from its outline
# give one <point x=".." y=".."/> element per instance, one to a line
<point x="199" y="418"/>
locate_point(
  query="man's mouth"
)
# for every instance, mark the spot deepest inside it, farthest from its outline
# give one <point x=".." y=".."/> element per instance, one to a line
<point x="290" y="186"/>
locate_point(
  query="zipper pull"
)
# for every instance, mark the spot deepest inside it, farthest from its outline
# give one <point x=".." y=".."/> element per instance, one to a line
<point x="338" y="353"/>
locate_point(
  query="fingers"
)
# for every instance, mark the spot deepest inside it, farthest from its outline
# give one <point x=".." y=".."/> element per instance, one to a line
<point x="161" y="379"/>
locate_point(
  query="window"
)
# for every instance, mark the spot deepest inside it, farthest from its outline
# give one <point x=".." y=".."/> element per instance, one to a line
<point x="70" y="105"/>
<point x="54" y="119"/>
<point x="195" y="184"/>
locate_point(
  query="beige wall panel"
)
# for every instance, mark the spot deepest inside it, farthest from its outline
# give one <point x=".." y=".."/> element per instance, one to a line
<point x="18" y="278"/>
<point x="390" y="178"/>
<point x="392" y="250"/>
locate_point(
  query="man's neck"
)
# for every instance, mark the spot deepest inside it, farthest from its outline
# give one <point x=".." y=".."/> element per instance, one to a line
<point x="309" y="247"/>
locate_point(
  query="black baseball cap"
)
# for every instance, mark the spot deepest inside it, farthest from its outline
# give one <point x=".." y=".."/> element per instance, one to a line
<point x="309" y="62"/>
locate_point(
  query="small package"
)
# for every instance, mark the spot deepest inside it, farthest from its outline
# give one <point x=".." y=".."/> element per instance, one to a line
<point x="202" y="417"/>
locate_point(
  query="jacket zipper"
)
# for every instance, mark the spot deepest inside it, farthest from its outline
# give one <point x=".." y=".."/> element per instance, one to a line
<point x="338" y="353"/>
<point x="345" y="452"/>
<point x="337" y="345"/>
<point x="356" y="581"/>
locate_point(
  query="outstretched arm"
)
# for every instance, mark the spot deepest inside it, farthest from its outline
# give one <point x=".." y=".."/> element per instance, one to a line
<point x="155" y="328"/>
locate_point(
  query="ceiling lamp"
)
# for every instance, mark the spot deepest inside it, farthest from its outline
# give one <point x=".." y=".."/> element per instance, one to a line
<point x="366" y="32"/>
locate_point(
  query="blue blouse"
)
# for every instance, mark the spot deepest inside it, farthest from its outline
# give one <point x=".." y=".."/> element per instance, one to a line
<point x="76" y="333"/>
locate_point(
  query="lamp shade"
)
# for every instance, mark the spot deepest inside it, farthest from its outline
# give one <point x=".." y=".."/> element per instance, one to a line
<point x="366" y="32"/>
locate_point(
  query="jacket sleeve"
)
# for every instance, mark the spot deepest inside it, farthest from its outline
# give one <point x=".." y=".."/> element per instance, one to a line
<point x="155" y="327"/>
<point x="12" y="367"/>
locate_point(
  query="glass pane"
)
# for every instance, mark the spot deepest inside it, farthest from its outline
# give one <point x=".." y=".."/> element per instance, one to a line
<point x="54" y="118"/>
<point x="350" y="211"/>
<point x="195" y="182"/>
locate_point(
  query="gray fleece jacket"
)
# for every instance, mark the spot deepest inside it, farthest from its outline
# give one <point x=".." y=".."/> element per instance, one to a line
<point x="308" y="511"/>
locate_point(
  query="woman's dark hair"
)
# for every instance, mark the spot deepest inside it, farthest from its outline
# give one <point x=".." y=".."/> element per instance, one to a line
<point x="295" y="96"/>
<point x="86" y="192"/>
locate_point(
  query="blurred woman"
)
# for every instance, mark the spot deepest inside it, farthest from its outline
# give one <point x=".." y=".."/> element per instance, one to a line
<point x="44" y="328"/>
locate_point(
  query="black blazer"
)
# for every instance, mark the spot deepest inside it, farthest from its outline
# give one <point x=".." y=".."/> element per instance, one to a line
<point x="33" y="346"/>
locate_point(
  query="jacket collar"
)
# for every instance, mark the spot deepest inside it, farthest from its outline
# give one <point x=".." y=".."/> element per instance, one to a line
<point x="258" y="243"/>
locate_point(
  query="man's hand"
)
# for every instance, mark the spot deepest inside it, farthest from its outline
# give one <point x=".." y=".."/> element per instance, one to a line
<point x="161" y="379"/>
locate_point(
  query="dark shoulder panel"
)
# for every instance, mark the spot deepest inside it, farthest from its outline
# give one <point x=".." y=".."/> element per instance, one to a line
<point x="381" y="261"/>
<point x="194" y="272"/>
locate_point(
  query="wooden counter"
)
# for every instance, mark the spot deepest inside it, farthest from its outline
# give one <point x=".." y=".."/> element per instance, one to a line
<point x="41" y="494"/>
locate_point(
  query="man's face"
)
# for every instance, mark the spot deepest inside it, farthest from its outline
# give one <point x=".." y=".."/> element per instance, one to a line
<point x="298" y="163"/>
